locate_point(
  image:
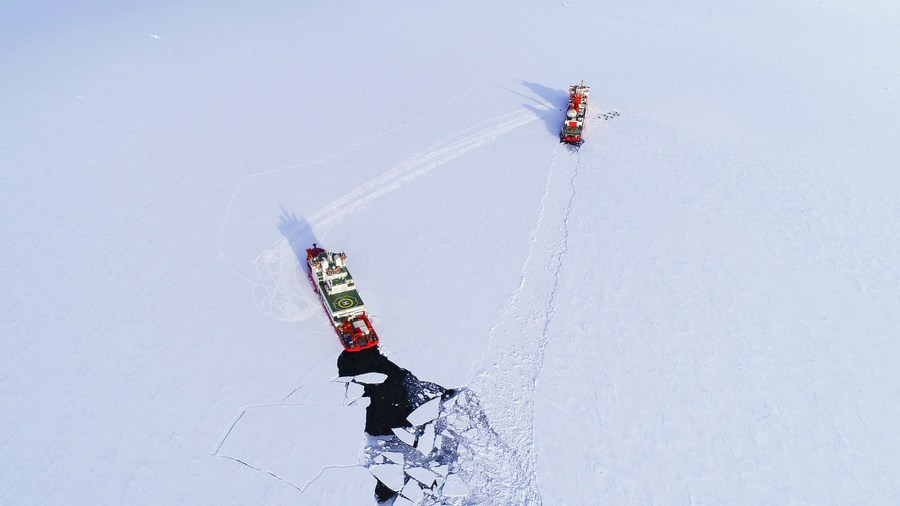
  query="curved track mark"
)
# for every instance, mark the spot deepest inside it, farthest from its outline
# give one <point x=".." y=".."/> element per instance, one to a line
<point x="363" y="142"/>
<point x="277" y="269"/>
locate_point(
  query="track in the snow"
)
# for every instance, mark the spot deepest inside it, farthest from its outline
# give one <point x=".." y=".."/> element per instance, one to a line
<point x="506" y="382"/>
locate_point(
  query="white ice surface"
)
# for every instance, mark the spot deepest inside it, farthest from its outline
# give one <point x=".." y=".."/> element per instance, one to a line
<point x="349" y="485"/>
<point x="325" y="393"/>
<point x="263" y="437"/>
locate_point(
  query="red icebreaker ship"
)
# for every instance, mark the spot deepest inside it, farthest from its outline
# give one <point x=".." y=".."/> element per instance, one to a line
<point x="575" y="114"/>
<point x="332" y="282"/>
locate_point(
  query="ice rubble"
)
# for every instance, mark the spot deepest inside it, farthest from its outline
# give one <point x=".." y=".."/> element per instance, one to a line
<point x="443" y="455"/>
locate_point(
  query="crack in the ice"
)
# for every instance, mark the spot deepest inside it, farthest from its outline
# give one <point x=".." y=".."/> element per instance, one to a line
<point x="234" y="421"/>
<point x="286" y="397"/>
<point x="243" y="410"/>
<point x="227" y="432"/>
<point x="321" y="471"/>
<point x="270" y="473"/>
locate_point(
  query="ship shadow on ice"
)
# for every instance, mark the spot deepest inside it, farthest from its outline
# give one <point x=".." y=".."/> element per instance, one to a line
<point x="298" y="233"/>
<point x="550" y="109"/>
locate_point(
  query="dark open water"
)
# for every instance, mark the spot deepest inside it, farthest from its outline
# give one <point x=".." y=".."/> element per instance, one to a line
<point x="391" y="401"/>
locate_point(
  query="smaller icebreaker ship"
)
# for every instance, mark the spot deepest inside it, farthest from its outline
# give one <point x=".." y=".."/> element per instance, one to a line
<point x="575" y="114"/>
<point x="332" y="282"/>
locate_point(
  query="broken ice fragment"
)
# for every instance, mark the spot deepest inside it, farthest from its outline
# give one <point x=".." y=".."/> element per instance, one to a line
<point x="372" y="378"/>
<point x="426" y="440"/>
<point x="355" y="390"/>
<point x="441" y="470"/>
<point x="422" y="475"/>
<point x="439" y="442"/>
<point x="425" y="413"/>
<point x="395" y="457"/>
<point x="389" y="474"/>
<point x="412" y="491"/>
<point x="402" y="501"/>
<point x="404" y="435"/>
<point x="449" y="403"/>
<point x="454" y="487"/>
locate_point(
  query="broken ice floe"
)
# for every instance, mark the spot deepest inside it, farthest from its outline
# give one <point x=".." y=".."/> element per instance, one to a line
<point x="402" y="501"/>
<point x="428" y="450"/>
<point x="448" y="404"/>
<point x="426" y="412"/>
<point x="455" y="458"/>
<point x="422" y="475"/>
<point x="395" y="457"/>
<point x="370" y="378"/>
<point x="389" y="474"/>
<point x="412" y="491"/>
<point x="404" y="435"/>
<point x="355" y="390"/>
<point x="425" y="444"/>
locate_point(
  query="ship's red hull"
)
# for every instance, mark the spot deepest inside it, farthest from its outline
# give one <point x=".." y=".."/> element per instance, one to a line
<point x="577" y="141"/>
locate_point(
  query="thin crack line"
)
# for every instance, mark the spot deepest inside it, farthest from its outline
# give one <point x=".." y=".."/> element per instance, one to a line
<point x="293" y="391"/>
<point x="227" y="432"/>
<point x="244" y="409"/>
<point x="270" y="473"/>
<point x="322" y="471"/>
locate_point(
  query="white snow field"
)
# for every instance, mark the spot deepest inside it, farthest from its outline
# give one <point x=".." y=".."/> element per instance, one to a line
<point x="699" y="307"/>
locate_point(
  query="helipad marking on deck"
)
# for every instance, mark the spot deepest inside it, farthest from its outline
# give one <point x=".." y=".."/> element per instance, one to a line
<point x="346" y="302"/>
